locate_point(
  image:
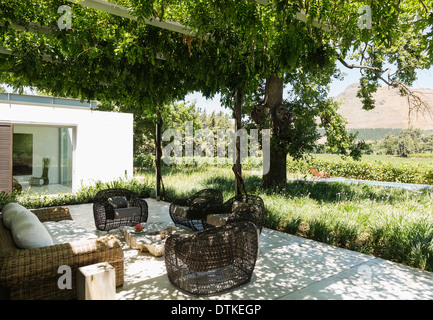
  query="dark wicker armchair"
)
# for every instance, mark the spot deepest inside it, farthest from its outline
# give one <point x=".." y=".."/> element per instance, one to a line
<point x="240" y="208"/>
<point x="213" y="260"/>
<point x="117" y="207"/>
<point x="192" y="212"/>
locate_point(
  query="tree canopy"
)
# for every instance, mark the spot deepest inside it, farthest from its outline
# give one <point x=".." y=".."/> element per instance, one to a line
<point x="228" y="46"/>
<point x="107" y="57"/>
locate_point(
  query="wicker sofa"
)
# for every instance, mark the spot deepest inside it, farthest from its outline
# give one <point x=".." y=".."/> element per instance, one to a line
<point x="28" y="274"/>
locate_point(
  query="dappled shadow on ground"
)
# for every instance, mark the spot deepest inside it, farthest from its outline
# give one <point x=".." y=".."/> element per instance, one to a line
<point x="290" y="267"/>
<point x="374" y="280"/>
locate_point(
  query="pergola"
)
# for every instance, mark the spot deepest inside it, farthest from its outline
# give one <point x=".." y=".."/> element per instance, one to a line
<point x="173" y="26"/>
<point x="117" y="10"/>
<point x="337" y="35"/>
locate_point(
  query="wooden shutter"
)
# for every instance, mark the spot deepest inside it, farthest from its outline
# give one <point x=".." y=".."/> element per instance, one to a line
<point x="6" y="136"/>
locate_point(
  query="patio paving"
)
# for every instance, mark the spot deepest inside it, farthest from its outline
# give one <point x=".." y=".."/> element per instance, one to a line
<point x="288" y="268"/>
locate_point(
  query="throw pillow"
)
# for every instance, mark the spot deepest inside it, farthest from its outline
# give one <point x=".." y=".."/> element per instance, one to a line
<point x="118" y="202"/>
<point x="9" y="211"/>
<point x="28" y="232"/>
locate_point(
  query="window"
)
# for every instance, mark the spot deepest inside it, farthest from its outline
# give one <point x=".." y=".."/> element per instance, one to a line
<point x="42" y="158"/>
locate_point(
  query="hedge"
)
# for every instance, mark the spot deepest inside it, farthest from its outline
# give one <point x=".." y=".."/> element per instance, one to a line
<point x="366" y="170"/>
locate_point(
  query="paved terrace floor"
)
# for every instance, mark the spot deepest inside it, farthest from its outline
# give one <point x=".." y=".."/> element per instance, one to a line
<point x="289" y="268"/>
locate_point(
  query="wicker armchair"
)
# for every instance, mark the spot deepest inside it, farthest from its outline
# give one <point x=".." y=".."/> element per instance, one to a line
<point x="117" y="207"/>
<point x="239" y="208"/>
<point x="192" y="212"/>
<point x="213" y="260"/>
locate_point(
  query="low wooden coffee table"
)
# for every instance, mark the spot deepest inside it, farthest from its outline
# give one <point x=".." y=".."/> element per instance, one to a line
<point x="150" y="240"/>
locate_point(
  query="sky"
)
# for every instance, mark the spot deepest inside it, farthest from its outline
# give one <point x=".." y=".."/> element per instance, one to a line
<point x="425" y="80"/>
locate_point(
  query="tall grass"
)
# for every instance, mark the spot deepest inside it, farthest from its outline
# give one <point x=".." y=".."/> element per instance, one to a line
<point x="395" y="224"/>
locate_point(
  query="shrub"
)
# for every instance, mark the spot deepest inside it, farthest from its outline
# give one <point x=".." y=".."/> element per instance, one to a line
<point x="366" y="170"/>
<point x="144" y="161"/>
<point x="5" y="198"/>
<point x="83" y="195"/>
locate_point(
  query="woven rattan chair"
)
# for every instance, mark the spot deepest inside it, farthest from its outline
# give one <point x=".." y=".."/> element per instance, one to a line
<point x="191" y="212"/>
<point x="239" y="208"/>
<point x="213" y="260"/>
<point x="117" y="207"/>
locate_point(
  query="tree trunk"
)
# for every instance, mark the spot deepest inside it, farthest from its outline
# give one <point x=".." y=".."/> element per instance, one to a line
<point x="278" y="159"/>
<point x="158" y="154"/>
<point x="237" y="165"/>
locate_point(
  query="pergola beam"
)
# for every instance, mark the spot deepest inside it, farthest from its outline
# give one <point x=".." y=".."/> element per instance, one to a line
<point x="8" y="52"/>
<point x="121" y="11"/>
<point x="33" y="27"/>
<point x="117" y="10"/>
<point x="301" y="16"/>
<point x="47" y="58"/>
<point x="105" y="6"/>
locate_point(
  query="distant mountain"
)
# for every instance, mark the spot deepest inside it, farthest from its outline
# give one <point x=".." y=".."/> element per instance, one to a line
<point x="391" y="110"/>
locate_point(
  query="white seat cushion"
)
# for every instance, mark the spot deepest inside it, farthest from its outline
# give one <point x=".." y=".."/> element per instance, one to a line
<point x="127" y="212"/>
<point x="66" y="231"/>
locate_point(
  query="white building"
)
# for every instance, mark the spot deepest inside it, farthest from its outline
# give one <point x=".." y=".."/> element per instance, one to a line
<point x="83" y="145"/>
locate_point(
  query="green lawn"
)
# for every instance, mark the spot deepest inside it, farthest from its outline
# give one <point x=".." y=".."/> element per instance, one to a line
<point x="394" y="224"/>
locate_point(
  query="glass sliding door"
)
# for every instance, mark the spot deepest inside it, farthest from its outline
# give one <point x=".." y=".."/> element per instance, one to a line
<point x="42" y="158"/>
<point x="65" y="157"/>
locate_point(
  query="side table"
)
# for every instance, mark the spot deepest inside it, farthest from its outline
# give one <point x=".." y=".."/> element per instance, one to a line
<point x="96" y="282"/>
<point x="150" y="240"/>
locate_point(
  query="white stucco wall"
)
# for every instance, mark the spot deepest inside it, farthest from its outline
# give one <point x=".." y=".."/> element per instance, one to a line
<point x="102" y="141"/>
